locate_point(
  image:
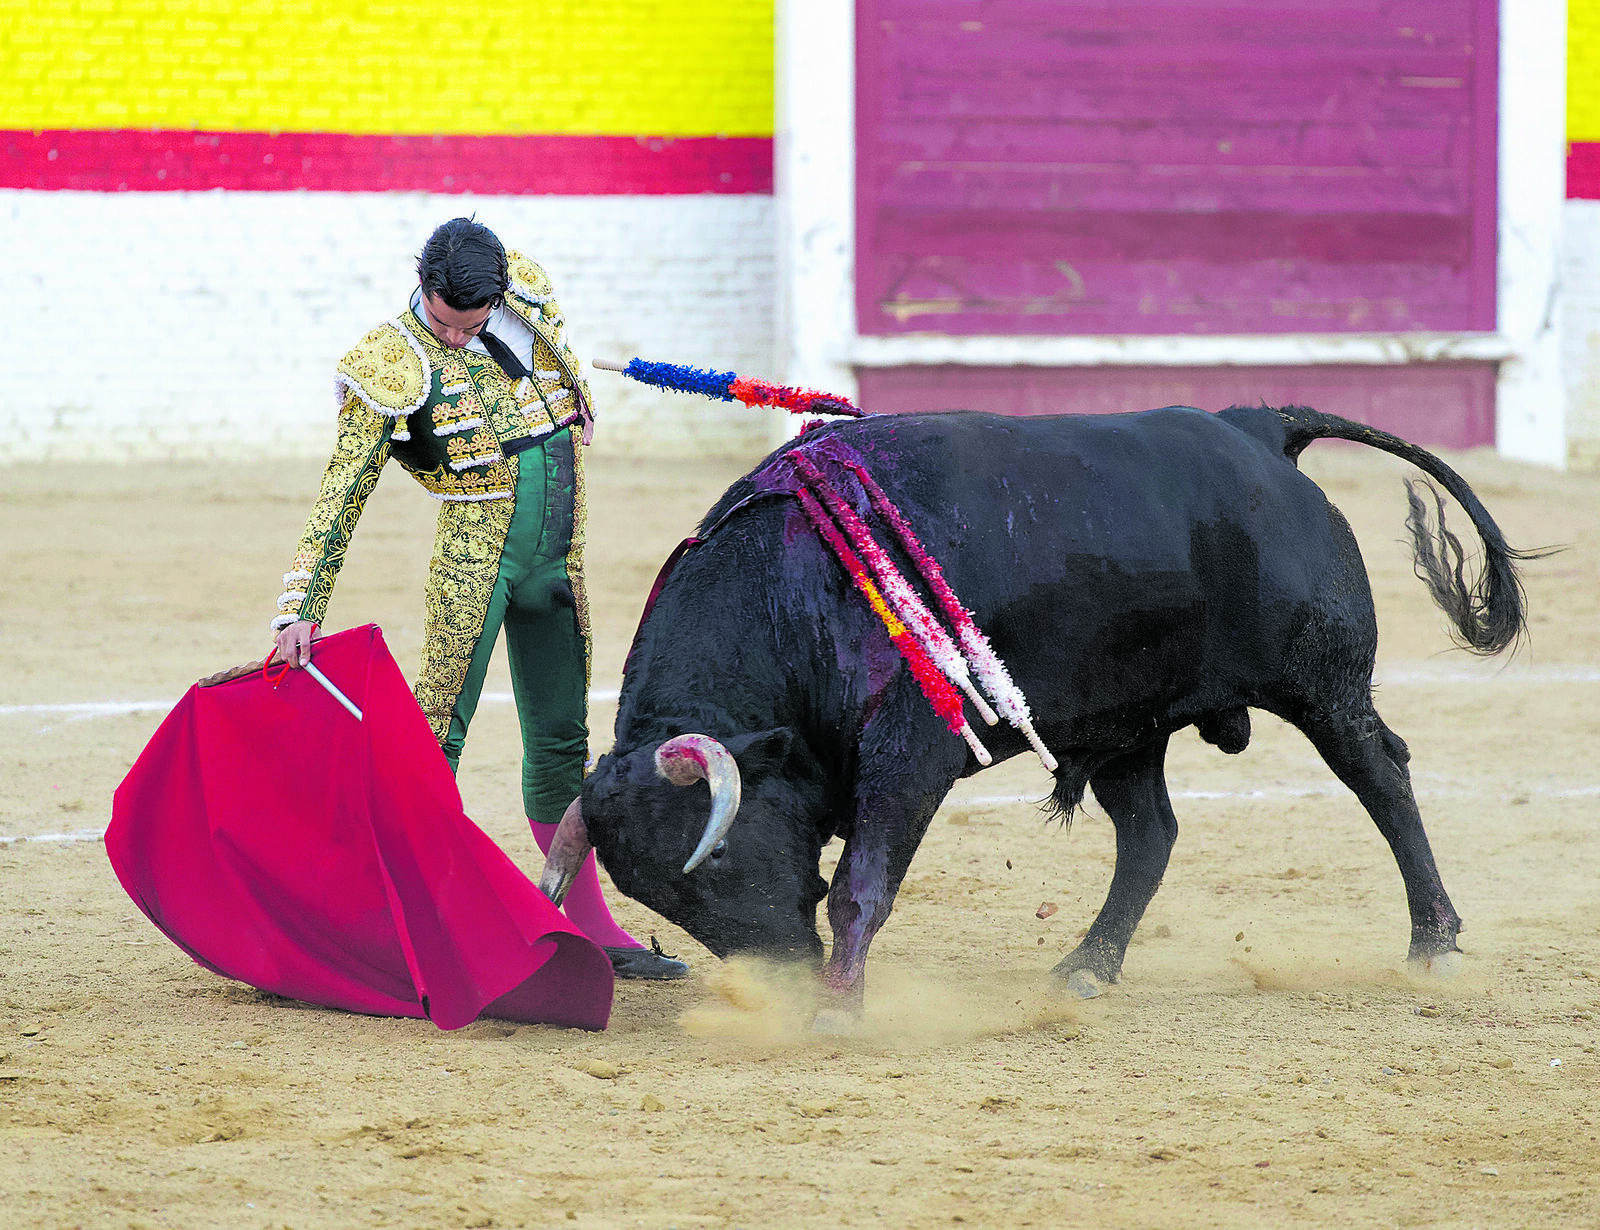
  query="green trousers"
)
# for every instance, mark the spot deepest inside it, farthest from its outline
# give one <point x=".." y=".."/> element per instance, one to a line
<point x="533" y="600"/>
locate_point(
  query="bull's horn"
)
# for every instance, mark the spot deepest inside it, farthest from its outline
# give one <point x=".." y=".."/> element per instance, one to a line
<point x="568" y="848"/>
<point x="688" y="758"/>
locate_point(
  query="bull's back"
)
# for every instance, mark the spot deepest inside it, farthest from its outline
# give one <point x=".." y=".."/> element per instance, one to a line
<point x="1022" y="500"/>
<point x="1162" y="558"/>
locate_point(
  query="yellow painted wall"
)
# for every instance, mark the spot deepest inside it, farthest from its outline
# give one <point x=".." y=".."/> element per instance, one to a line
<point x="1583" y="70"/>
<point x="609" y="67"/>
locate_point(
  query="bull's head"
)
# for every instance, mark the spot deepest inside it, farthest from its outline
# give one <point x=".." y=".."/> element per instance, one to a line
<point x="720" y="838"/>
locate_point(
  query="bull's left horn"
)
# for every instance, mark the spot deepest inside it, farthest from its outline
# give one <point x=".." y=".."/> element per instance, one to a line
<point x="568" y="848"/>
<point x="689" y="758"/>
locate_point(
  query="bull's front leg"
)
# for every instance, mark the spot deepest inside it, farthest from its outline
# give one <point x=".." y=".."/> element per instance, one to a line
<point x="893" y="810"/>
<point x="859" y="901"/>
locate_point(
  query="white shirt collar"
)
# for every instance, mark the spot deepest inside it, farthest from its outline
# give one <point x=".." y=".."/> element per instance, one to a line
<point x="503" y="323"/>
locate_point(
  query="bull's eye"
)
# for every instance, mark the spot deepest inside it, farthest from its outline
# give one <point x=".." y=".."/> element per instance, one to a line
<point x="718" y="850"/>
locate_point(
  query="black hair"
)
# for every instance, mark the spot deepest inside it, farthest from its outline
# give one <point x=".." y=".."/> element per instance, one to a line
<point x="464" y="264"/>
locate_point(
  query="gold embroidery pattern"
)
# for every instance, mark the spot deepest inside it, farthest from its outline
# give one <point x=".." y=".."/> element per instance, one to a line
<point x="493" y="483"/>
<point x="352" y="473"/>
<point x="457" y="406"/>
<point x="580" y="592"/>
<point x="461" y="577"/>
<point x="385" y="372"/>
<point x="527" y="276"/>
<point x="544" y="400"/>
<point x="474" y="448"/>
<point x="493" y="389"/>
<point x="451" y="416"/>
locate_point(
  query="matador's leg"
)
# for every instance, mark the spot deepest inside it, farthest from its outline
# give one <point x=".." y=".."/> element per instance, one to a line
<point x="548" y="648"/>
<point x="549" y="678"/>
<point x="545" y="640"/>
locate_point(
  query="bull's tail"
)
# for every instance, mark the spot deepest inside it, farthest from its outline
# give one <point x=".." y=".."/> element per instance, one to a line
<point x="1488" y="613"/>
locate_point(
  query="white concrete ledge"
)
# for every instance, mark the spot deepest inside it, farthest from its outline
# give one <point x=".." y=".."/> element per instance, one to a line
<point x="1252" y="350"/>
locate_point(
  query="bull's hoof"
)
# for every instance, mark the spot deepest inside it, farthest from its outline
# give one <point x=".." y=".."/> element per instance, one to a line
<point x="1089" y="969"/>
<point x="1437" y="964"/>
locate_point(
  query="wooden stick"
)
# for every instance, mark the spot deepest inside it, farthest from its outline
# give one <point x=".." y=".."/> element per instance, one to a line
<point x="608" y="365"/>
<point x="232" y="673"/>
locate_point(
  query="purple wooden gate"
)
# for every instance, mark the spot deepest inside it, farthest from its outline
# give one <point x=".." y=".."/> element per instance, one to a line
<point x="1175" y="166"/>
<point x="1037" y="167"/>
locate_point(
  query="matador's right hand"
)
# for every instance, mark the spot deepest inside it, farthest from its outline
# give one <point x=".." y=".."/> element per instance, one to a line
<point x="294" y="643"/>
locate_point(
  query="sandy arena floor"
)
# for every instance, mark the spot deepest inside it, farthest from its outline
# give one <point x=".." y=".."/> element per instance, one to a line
<point x="1265" y="1062"/>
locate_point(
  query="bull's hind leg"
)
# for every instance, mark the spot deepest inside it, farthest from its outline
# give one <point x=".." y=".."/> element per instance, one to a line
<point x="1371" y="759"/>
<point x="1133" y="790"/>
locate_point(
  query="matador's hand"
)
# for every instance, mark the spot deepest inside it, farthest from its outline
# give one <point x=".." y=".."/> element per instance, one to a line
<point x="294" y="643"/>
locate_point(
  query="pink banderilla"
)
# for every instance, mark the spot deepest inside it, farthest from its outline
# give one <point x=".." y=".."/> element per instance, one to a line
<point x="932" y="638"/>
<point x="907" y="605"/>
<point x="992" y="672"/>
<point x="945" y="700"/>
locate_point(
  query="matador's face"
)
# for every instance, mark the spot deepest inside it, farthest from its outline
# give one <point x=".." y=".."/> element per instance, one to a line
<point x="452" y="327"/>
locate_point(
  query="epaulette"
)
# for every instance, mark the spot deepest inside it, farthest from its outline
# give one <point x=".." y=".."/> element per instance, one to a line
<point x="387" y="369"/>
<point x="529" y="282"/>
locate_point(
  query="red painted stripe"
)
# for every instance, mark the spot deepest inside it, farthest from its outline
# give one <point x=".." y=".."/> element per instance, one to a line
<point x="130" y="160"/>
<point x="1583" y="171"/>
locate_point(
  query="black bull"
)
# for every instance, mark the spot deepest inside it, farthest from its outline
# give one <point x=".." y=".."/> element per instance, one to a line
<point x="1138" y="573"/>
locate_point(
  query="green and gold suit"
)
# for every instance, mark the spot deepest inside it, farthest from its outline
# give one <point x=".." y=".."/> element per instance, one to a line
<point x="502" y="459"/>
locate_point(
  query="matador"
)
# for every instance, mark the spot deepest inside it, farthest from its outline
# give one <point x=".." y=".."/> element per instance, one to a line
<point x="474" y="390"/>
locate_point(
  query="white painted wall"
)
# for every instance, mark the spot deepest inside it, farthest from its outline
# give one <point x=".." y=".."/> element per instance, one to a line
<point x="1530" y="410"/>
<point x="814" y="178"/>
<point x="208" y="324"/>
<point x="1580" y="340"/>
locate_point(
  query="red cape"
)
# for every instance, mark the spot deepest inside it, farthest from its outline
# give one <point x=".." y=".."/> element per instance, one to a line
<point x="280" y="842"/>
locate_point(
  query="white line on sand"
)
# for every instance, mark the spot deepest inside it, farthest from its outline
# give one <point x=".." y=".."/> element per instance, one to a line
<point x="1422" y="673"/>
<point x="116" y="708"/>
<point x="55" y="838"/>
<point x="105" y="708"/>
<point x="1329" y="789"/>
<point x="986" y="800"/>
<point x="1427" y="673"/>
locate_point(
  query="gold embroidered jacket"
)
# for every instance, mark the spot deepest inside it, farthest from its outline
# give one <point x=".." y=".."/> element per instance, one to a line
<point x="443" y="414"/>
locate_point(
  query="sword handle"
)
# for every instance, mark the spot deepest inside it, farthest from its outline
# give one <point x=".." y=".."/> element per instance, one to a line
<point x="333" y="691"/>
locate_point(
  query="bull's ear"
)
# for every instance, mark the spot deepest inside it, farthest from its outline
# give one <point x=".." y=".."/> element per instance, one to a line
<point x="761" y="752"/>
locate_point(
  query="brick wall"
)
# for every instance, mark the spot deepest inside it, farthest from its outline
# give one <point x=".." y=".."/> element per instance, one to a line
<point x="199" y="324"/>
<point x="1580" y="358"/>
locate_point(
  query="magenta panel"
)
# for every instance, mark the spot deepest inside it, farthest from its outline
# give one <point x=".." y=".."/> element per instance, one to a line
<point x="1443" y="405"/>
<point x="1583" y="170"/>
<point x="1175" y="166"/>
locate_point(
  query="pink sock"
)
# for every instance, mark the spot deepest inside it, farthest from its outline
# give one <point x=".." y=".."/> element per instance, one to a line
<point x="584" y="905"/>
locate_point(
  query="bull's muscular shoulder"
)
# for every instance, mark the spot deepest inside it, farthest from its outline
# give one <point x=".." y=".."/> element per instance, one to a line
<point x="387" y="370"/>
